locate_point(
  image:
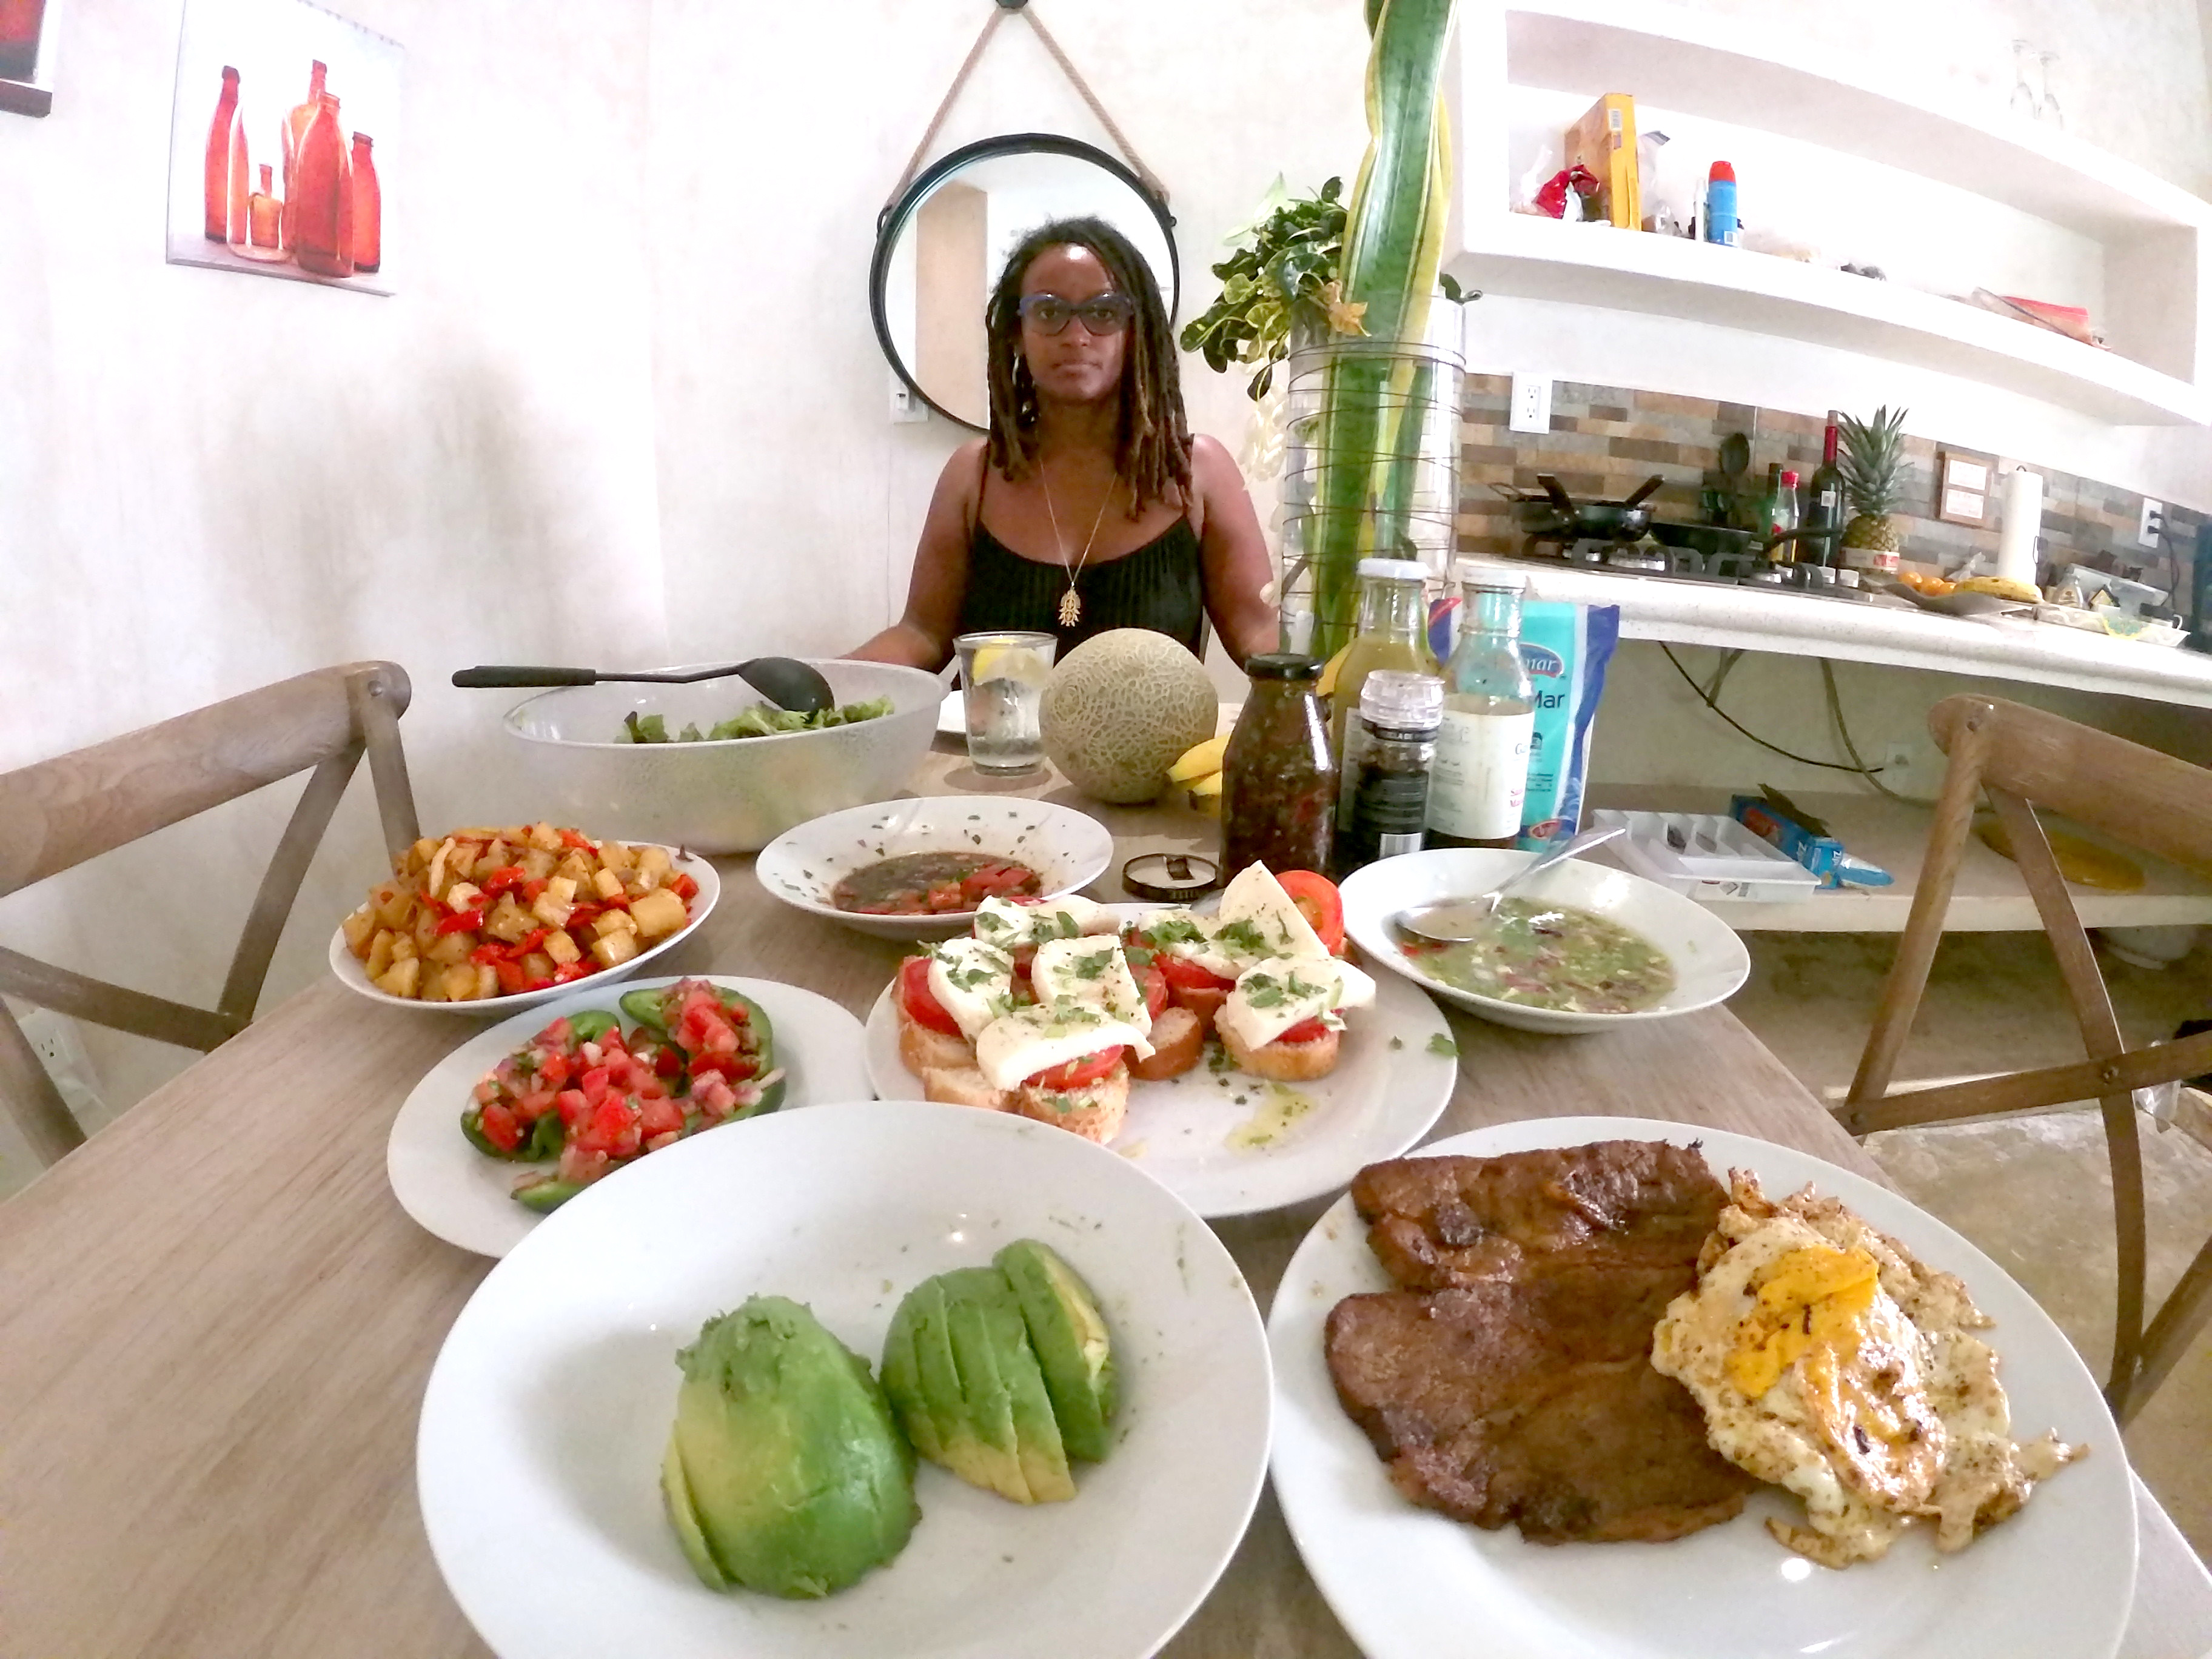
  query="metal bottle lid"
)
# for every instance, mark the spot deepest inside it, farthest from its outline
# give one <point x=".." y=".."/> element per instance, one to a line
<point x="1283" y="665"/>
<point x="1481" y="573"/>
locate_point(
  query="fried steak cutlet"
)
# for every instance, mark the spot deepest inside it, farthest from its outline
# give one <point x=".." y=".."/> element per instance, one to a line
<point x="1511" y="1381"/>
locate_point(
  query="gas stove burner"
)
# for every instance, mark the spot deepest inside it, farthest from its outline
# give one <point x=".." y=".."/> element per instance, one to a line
<point x="1736" y="569"/>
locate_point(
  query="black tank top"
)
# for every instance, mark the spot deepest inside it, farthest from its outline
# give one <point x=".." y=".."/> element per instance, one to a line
<point x="1161" y="586"/>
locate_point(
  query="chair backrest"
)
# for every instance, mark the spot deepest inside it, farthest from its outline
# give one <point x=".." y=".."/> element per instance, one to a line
<point x="2021" y="758"/>
<point x="57" y="813"/>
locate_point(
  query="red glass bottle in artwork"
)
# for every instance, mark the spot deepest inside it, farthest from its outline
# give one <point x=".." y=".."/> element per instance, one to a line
<point x="367" y="207"/>
<point x="294" y="128"/>
<point x="321" y="200"/>
<point x="219" y="146"/>
<point x="19" y="38"/>
<point x="265" y="213"/>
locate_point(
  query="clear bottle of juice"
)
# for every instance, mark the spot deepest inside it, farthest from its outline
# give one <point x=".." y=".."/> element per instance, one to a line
<point x="1480" y="778"/>
<point x="1394" y="634"/>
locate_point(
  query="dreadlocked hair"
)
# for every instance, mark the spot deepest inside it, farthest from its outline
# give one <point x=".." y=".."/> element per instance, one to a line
<point x="1151" y="451"/>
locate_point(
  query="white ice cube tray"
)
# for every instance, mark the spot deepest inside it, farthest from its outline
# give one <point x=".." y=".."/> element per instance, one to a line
<point x="1719" y="857"/>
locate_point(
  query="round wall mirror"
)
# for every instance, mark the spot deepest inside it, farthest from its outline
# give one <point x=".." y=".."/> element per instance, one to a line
<point x="941" y="246"/>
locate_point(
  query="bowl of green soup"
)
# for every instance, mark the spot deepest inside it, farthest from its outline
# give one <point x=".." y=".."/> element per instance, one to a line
<point x="1585" y="948"/>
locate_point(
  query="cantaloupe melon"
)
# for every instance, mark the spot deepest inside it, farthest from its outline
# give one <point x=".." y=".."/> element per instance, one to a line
<point x="1121" y="708"/>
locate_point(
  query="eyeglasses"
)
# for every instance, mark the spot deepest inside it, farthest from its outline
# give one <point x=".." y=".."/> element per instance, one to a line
<point x="1108" y="314"/>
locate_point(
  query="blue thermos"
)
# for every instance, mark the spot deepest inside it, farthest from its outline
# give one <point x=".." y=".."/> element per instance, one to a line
<point x="1720" y="204"/>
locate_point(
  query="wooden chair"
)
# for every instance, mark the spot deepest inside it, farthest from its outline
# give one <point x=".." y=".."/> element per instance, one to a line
<point x="2023" y="759"/>
<point x="58" y="813"/>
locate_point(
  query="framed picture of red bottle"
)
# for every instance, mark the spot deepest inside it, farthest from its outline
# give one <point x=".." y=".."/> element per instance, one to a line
<point x="26" y="56"/>
<point x="283" y="146"/>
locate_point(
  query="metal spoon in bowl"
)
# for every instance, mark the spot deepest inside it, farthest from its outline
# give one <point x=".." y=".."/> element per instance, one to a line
<point x="1460" y="919"/>
<point x="784" y="681"/>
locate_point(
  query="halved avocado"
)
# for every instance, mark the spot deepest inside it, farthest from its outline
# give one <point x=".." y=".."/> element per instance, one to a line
<point x="590" y="1024"/>
<point x="644" y="1007"/>
<point x="1074" y="1347"/>
<point x="676" y="1490"/>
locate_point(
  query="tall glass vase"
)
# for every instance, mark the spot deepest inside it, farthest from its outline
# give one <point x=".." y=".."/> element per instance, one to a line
<point x="1370" y="470"/>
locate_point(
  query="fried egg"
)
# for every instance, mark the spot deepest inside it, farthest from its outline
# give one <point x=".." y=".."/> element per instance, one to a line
<point x="1829" y="1362"/>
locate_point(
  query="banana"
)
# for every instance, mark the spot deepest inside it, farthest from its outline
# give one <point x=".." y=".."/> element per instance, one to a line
<point x="1208" y="784"/>
<point x="1199" y="760"/>
<point x="2003" y="587"/>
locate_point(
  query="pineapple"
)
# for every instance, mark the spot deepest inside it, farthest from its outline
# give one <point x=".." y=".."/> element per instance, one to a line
<point x="1872" y="461"/>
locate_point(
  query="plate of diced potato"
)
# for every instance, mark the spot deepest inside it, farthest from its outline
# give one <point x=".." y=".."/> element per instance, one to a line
<point x="491" y="920"/>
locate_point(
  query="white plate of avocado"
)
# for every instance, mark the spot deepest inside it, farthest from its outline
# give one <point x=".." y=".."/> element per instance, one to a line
<point x="943" y="1312"/>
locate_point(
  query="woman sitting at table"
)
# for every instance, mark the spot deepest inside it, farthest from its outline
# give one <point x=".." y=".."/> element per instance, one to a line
<point x="1088" y="506"/>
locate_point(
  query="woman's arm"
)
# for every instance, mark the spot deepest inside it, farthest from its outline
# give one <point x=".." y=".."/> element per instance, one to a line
<point x="1234" y="554"/>
<point x="922" y="638"/>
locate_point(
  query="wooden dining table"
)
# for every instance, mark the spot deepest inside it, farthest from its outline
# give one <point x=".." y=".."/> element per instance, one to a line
<point x="216" y="1322"/>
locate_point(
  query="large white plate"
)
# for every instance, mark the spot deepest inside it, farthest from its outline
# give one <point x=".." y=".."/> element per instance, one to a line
<point x="539" y="1457"/>
<point x="1068" y="849"/>
<point x="467" y="1199"/>
<point x="2055" y="1580"/>
<point x="1711" y="963"/>
<point x="353" y="974"/>
<point x="1388" y="1087"/>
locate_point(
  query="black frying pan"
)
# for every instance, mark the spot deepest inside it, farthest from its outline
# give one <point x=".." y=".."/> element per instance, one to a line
<point x="1556" y="516"/>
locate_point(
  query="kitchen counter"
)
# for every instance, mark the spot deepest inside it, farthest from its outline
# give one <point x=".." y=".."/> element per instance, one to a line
<point x="1749" y="618"/>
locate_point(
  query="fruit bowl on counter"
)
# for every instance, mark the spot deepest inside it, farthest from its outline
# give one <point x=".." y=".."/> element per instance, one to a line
<point x="734" y="795"/>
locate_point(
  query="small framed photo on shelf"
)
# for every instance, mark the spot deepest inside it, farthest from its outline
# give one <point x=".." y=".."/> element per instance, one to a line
<point x="26" y="56"/>
<point x="1965" y="485"/>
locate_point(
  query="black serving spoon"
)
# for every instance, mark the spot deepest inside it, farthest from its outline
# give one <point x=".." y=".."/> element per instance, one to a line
<point x="784" y="681"/>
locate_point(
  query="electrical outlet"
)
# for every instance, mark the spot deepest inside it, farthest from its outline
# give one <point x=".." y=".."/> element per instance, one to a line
<point x="1532" y="404"/>
<point x="1896" y="761"/>
<point x="60" y="1047"/>
<point x="2150" y="529"/>
<point x="906" y="408"/>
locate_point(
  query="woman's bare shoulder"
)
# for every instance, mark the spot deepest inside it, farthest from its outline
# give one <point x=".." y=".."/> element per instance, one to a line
<point x="962" y="474"/>
<point x="1212" y="466"/>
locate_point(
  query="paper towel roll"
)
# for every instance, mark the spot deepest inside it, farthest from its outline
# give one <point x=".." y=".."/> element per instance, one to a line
<point x="2022" y="523"/>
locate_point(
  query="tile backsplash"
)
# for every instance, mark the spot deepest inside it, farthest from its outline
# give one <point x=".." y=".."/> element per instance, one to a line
<point x="1606" y="440"/>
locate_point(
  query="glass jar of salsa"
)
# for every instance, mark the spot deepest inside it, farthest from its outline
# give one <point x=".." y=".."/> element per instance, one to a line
<point x="1278" y="777"/>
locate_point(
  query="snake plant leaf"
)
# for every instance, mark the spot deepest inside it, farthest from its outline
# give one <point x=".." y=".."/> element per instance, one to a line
<point x="1393" y="245"/>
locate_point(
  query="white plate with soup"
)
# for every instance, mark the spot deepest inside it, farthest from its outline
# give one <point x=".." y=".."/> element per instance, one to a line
<point x="850" y="854"/>
<point x="1706" y="963"/>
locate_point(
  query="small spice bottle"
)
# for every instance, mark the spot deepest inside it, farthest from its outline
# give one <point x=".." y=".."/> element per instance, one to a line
<point x="1382" y="801"/>
<point x="1278" y="777"/>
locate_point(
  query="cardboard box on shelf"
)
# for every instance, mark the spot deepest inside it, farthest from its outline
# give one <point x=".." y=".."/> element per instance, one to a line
<point x="1604" y="141"/>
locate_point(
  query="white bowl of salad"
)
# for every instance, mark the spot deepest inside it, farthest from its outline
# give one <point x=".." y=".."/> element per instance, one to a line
<point x="726" y="779"/>
<point x="1584" y="948"/>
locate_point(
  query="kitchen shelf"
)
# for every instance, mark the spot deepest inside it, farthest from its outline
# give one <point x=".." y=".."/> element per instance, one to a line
<point x="1524" y="255"/>
<point x="1989" y="895"/>
<point x="1740" y="69"/>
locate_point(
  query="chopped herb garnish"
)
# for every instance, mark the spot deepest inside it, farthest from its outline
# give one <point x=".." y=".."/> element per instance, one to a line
<point x="1397" y="1042"/>
<point x="1443" y="1044"/>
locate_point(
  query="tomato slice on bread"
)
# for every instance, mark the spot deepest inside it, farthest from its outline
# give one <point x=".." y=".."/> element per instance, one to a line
<point x="1077" y="1073"/>
<point x="1321" y="904"/>
<point x="1189" y="976"/>
<point x="920" y="1002"/>
<point x="1306" y="1030"/>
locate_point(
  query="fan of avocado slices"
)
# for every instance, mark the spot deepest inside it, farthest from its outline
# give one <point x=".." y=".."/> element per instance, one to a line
<point x="1005" y="1375"/>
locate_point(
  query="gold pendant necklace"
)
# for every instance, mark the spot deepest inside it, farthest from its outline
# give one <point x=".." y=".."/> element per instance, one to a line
<point x="1071" y="603"/>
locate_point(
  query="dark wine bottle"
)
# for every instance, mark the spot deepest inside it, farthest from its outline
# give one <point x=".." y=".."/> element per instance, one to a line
<point x="1823" y="503"/>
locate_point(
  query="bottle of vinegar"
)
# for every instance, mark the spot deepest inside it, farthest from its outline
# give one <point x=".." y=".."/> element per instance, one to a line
<point x="1479" y="777"/>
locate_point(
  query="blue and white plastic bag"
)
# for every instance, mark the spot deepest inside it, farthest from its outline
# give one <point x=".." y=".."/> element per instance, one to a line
<point x="1566" y="648"/>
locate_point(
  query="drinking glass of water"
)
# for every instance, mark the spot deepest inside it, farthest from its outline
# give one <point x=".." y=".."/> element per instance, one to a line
<point x="1005" y="676"/>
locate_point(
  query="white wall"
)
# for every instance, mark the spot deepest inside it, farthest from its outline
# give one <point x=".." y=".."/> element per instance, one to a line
<point x="208" y="481"/>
